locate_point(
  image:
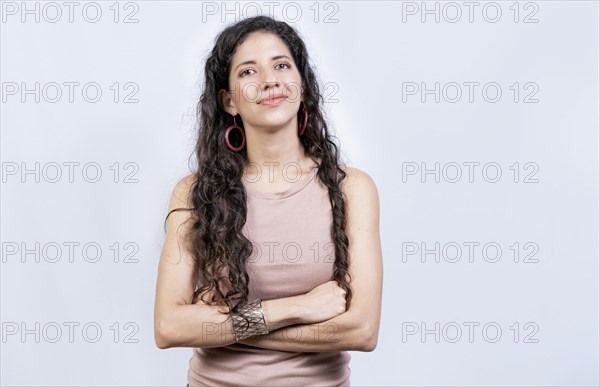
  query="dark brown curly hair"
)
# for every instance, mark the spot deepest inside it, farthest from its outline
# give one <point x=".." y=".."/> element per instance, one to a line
<point x="218" y="195"/>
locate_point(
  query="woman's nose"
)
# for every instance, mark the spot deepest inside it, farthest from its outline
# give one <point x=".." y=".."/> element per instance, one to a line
<point x="268" y="89"/>
<point x="269" y="78"/>
<point x="268" y="84"/>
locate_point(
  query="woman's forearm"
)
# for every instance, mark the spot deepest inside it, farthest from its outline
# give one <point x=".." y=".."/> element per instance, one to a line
<point x="203" y="326"/>
<point x="336" y="334"/>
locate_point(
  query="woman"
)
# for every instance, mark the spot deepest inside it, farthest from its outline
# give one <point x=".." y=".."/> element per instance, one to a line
<point x="271" y="268"/>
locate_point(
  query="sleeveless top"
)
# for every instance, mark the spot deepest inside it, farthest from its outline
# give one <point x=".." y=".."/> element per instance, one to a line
<point x="292" y="253"/>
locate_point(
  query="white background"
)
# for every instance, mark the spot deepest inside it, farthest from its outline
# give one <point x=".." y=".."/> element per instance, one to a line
<point x="365" y="57"/>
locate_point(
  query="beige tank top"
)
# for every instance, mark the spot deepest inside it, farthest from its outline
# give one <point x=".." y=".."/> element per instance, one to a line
<point x="292" y="253"/>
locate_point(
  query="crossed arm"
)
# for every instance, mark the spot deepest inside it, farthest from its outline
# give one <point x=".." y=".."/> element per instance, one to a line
<point x="356" y="329"/>
<point x="177" y="317"/>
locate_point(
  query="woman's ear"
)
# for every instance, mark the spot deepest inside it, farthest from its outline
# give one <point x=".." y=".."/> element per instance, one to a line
<point x="227" y="103"/>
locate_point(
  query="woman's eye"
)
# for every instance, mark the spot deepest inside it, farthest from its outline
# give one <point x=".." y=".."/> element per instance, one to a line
<point x="247" y="71"/>
<point x="244" y="72"/>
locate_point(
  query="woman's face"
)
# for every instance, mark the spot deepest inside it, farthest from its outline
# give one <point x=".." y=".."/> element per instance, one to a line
<point x="264" y="82"/>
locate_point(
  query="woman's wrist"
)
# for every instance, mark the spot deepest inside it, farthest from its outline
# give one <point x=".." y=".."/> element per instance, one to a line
<point x="282" y="312"/>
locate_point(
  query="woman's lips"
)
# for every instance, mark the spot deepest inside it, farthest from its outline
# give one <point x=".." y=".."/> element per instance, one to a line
<point x="272" y="102"/>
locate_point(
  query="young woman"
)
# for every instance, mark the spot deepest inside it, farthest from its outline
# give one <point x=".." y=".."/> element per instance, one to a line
<point x="271" y="268"/>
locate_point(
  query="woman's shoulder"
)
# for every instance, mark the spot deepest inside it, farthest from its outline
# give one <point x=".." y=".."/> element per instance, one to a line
<point x="357" y="182"/>
<point x="187" y="181"/>
<point x="181" y="196"/>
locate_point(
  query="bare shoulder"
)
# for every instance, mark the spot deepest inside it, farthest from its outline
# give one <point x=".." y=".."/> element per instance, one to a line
<point x="180" y="203"/>
<point x="182" y="193"/>
<point x="359" y="185"/>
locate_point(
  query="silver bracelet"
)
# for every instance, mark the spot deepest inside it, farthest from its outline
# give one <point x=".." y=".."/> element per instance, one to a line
<point x="256" y="324"/>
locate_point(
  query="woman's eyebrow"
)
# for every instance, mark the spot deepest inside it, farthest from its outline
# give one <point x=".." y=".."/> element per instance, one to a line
<point x="254" y="62"/>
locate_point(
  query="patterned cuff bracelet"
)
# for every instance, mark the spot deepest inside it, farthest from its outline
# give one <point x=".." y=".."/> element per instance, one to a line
<point x="257" y="324"/>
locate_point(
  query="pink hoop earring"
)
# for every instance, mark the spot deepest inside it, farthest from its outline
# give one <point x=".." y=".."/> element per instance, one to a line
<point x="228" y="142"/>
<point x="302" y="128"/>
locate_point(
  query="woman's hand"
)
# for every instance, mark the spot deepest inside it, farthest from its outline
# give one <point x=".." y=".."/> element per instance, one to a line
<point x="322" y="303"/>
<point x="205" y="298"/>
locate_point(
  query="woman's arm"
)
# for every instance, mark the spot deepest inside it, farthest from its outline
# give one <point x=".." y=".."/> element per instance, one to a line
<point x="178" y="320"/>
<point x="358" y="328"/>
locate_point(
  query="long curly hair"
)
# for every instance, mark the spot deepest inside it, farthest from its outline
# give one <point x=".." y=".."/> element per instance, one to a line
<point x="218" y="196"/>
